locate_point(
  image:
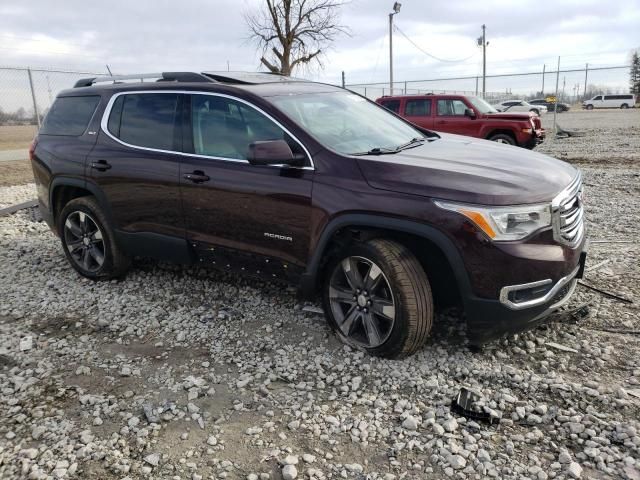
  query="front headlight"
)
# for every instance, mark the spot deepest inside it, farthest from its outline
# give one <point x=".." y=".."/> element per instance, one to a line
<point x="504" y="223"/>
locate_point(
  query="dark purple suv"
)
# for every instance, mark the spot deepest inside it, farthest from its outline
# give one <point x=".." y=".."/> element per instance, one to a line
<point x="316" y="185"/>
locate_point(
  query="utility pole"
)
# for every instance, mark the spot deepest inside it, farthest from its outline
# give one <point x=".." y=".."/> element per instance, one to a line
<point x="555" y="110"/>
<point x="586" y="72"/>
<point x="396" y="10"/>
<point x="484" y="61"/>
<point x="544" y="68"/>
<point x="482" y="41"/>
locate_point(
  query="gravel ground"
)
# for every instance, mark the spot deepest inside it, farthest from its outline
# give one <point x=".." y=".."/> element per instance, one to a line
<point x="189" y="374"/>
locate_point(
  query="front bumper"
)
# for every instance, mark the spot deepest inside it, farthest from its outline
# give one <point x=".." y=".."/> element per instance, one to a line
<point x="536" y="138"/>
<point x="490" y="319"/>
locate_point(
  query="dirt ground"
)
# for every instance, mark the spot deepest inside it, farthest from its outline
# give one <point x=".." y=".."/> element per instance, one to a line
<point x="14" y="137"/>
<point x="15" y="172"/>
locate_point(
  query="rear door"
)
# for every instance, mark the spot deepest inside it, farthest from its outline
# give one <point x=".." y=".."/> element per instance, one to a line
<point x="419" y="111"/>
<point x="136" y="164"/>
<point x="256" y="218"/>
<point x="450" y="118"/>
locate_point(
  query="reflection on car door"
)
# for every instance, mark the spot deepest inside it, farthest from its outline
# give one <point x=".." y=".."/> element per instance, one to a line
<point x="232" y="207"/>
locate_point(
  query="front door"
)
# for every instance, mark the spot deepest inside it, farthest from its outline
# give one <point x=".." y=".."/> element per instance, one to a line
<point x="237" y="214"/>
<point x="450" y="118"/>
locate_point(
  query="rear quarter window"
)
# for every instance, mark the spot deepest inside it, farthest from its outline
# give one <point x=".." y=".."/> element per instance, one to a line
<point x="69" y="116"/>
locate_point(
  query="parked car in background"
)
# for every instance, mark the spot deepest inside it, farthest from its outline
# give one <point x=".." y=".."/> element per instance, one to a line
<point x="311" y="183"/>
<point x="610" y="101"/>
<point x="467" y="115"/>
<point x="520" y="106"/>
<point x="551" y="106"/>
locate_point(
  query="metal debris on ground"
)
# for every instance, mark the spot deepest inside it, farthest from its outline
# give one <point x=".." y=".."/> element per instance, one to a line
<point x="465" y="404"/>
<point x="605" y="293"/>
<point x="559" y="346"/>
<point x="20" y="206"/>
<point x="313" y="309"/>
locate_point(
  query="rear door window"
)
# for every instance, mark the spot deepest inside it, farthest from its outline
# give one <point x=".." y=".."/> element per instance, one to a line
<point x="393" y="105"/>
<point x="145" y="119"/>
<point x="417" y="108"/>
<point x="69" y="115"/>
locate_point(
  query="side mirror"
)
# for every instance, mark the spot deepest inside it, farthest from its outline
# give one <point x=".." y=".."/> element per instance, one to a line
<point x="272" y="152"/>
<point x="469" y="113"/>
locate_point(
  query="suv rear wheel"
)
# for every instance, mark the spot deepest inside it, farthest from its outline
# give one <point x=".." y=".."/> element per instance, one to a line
<point x="624" y="105"/>
<point x="88" y="240"/>
<point x="502" y="138"/>
<point x="377" y="298"/>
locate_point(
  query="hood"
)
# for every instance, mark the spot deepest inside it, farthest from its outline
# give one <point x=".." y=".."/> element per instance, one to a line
<point x="524" y="116"/>
<point x="469" y="170"/>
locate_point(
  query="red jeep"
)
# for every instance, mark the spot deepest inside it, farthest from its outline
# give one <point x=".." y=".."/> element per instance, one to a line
<point x="467" y="115"/>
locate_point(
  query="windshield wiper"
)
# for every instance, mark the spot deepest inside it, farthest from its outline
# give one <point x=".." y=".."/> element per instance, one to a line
<point x="414" y="142"/>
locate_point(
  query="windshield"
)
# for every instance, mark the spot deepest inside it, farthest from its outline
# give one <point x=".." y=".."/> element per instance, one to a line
<point x="481" y="105"/>
<point x="347" y="123"/>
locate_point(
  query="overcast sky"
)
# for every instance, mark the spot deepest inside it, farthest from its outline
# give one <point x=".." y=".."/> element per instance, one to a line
<point x="156" y="35"/>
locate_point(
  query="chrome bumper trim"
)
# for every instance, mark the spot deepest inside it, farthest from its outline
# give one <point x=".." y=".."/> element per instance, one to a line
<point x="505" y="291"/>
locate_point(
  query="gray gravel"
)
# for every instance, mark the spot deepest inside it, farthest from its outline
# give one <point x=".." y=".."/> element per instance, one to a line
<point x="186" y="374"/>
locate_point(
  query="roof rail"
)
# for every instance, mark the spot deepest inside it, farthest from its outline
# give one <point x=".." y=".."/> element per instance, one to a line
<point x="162" y="77"/>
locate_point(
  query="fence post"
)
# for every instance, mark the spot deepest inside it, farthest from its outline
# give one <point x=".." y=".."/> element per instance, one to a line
<point x="33" y="97"/>
<point x="365" y="91"/>
<point x="343" y="79"/>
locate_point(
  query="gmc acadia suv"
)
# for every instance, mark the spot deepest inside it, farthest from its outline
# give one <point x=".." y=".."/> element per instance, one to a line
<point x="314" y="184"/>
<point x="467" y="115"/>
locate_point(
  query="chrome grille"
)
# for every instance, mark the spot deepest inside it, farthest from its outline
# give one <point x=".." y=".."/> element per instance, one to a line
<point x="568" y="214"/>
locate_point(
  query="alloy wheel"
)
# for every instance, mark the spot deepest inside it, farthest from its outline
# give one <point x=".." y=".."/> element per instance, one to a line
<point x="362" y="302"/>
<point x="84" y="241"/>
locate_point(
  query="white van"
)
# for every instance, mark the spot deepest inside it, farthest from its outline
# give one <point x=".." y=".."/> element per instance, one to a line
<point x="610" y="101"/>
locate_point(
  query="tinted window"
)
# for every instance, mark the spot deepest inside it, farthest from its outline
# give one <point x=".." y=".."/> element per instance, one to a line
<point x="146" y="119"/>
<point x="393" y="105"/>
<point x="69" y="115"/>
<point x="599" y="97"/>
<point x="418" y="108"/>
<point x="451" y="107"/>
<point x="225" y="128"/>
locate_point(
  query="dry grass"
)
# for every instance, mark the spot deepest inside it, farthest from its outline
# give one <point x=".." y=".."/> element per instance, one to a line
<point x="13" y="137"/>
<point x="16" y="172"/>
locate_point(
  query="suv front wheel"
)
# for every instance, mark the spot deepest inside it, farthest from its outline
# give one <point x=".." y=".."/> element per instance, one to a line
<point x="88" y="241"/>
<point x="377" y="298"/>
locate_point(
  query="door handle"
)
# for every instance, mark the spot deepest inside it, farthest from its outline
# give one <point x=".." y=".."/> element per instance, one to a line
<point x="101" y="165"/>
<point x="197" y="176"/>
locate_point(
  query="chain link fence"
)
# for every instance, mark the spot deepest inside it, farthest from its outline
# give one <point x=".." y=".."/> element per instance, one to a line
<point x="571" y="84"/>
<point x="26" y="94"/>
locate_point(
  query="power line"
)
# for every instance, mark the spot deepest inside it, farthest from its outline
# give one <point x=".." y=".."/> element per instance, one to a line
<point x="429" y="54"/>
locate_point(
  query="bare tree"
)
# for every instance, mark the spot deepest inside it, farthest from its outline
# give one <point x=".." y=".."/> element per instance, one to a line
<point x="294" y="32"/>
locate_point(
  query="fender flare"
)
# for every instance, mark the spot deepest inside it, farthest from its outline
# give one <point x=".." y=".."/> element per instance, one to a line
<point x="83" y="184"/>
<point x="437" y="237"/>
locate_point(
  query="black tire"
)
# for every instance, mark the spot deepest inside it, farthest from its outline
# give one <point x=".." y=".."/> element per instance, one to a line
<point x="502" y="138"/>
<point x="624" y="105"/>
<point x="589" y="107"/>
<point x="409" y="292"/>
<point x="100" y="258"/>
<point x="536" y="111"/>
